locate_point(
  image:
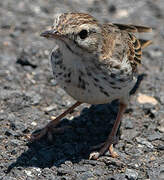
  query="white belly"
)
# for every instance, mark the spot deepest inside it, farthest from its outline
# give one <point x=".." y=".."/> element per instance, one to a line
<point x="94" y="94"/>
<point x="88" y="86"/>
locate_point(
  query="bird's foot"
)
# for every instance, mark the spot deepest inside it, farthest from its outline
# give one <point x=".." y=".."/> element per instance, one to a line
<point x="50" y="129"/>
<point x="107" y="146"/>
<point x="46" y="131"/>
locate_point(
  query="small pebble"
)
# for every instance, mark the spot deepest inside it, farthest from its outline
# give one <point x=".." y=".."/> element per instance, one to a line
<point x="131" y="174"/>
<point x="143" y="99"/>
<point x="28" y="172"/>
<point x="50" y="108"/>
<point x="161" y="128"/>
<point x="144" y="142"/>
<point x="33" y="123"/>
<point x="122" y="13"/>
<point x="154" y="136"/>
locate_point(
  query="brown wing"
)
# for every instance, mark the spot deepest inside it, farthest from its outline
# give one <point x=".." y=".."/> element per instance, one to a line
<point x="135" y="45"/>
<point x="135" y="50"/>
<point x="133" y="28"/>
<point x="120" y="39"/>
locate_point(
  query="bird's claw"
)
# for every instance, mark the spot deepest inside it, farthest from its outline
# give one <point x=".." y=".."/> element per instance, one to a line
<point x="108" y="145"/>
<point x="46" y="131"/>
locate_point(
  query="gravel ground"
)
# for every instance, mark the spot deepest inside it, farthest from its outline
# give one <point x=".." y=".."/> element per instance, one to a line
<point x="30" y="98"/>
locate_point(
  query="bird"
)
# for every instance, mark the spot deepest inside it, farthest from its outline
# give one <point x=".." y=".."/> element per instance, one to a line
<point x="94" y="63"/>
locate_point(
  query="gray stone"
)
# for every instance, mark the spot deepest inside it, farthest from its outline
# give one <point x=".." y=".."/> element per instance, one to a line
<point x="131" y="174"/>
<point x="144" y="142"/>
<point x="154" y="136"/>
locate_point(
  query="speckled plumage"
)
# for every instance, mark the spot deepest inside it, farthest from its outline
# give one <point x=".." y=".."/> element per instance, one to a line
<point x="94" y="63"/>
<point x="104" y="67"/>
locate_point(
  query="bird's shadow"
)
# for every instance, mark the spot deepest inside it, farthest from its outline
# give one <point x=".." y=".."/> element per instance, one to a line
<point x="87" y="130"/>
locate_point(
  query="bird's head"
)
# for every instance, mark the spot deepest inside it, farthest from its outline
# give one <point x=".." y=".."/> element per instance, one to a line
<point x="77" y="31"/>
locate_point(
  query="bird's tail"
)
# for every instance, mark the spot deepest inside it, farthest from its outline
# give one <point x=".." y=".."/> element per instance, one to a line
<point x="144" y="43"/>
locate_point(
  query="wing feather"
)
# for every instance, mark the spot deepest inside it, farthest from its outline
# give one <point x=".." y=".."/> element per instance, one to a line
<point x="133" y="28"/>
<point x="122" y="36"/>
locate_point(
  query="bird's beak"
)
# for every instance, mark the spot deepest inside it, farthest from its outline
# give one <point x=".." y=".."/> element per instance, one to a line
<point x="50" y="34"/>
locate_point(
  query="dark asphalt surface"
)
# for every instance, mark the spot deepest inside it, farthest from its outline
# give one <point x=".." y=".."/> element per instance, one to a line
<point x="30" y="98"/>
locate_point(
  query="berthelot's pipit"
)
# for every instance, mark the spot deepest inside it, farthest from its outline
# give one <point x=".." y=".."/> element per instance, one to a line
<point x="95" y="63"/>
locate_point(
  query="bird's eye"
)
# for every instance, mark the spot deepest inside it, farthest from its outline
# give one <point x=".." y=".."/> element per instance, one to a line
<point x="83" y="34"/>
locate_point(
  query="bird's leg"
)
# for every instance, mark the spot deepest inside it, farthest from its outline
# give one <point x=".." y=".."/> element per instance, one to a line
<point x="108" y="145"/>
<point x="47" y="130"/>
